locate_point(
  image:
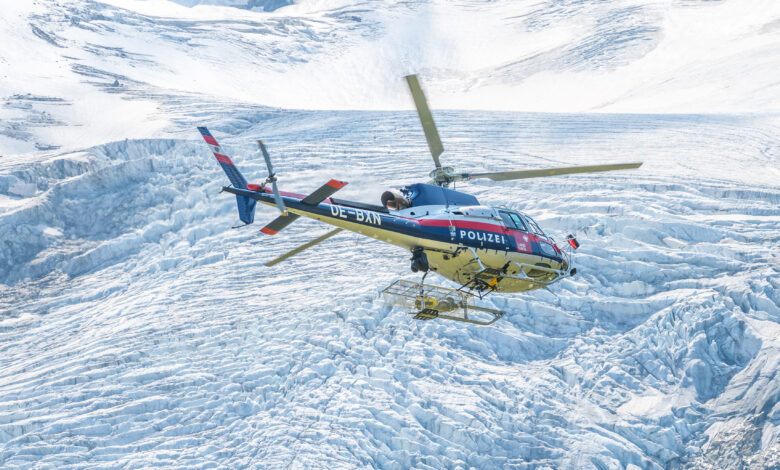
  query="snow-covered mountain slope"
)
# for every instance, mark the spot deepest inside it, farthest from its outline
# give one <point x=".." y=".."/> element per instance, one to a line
<point x="261" y="5"/>
<point x="108" y="65"/>
<point x="138" y="329"/>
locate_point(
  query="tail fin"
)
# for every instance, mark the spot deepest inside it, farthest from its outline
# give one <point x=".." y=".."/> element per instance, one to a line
<point x="246" y="209"/>
<point x="246" y="206"/>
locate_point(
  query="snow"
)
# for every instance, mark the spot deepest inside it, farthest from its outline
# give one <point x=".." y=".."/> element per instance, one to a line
<point x="138" y="329"/>
<point x="625" y="56"/>
<point x="657" y="405"/>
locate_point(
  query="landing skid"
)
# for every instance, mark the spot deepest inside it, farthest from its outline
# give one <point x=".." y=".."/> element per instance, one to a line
<point x="427" y="302"/>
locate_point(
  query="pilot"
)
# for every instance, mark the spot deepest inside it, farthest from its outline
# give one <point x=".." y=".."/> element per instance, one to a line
<point x="395" y="200"/>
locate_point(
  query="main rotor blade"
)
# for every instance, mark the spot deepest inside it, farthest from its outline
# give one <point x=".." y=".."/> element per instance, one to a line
<point x="431" y="133"/>
<point x="272" y="177"/>
<point x="305" y="246"/>
<point x="521" y="174"/>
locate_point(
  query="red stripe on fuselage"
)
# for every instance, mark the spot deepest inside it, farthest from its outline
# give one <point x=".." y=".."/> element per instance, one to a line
<point x="286" y="194"/>
<point x="210" y="140"/>
<point x="523" y="240"/>
<point x="223" y="159"/>
<point x="471" y="225"/>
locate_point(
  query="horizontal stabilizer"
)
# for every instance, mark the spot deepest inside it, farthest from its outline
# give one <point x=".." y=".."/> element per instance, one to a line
<point x="323" y="192"/>
<point x="279" y="223"/>
<point x="305" y="246"/>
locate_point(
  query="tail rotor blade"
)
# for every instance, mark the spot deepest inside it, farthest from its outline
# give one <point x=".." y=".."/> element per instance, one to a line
<point x="431" y="133"/>
<point x="278" y="198"/>
<point x="522" y="174"/>
<point x="272" y="178"/>
<point x="266" y="157"/>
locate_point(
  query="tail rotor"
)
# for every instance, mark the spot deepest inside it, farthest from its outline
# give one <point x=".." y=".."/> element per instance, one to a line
<point x="272" y="178"/>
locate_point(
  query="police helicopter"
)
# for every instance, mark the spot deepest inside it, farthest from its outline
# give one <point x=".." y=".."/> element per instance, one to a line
<point x="481" y="249"/>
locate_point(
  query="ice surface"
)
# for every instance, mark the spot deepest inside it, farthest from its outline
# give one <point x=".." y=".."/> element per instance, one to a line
<point x="137" y="329"/>
<point x="140" y="328"/>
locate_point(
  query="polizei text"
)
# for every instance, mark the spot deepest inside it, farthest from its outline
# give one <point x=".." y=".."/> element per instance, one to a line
<point x="482" y="236"/>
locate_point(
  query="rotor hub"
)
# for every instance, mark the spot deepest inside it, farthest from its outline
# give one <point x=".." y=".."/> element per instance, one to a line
<point x="443" y="176"/>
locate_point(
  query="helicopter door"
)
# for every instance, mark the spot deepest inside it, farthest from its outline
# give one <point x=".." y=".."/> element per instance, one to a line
<point x="515" y="228"/>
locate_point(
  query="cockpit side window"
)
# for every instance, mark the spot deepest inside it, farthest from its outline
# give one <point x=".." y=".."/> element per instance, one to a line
<point x="519" y="222"/>
<point x="506" y="217"/>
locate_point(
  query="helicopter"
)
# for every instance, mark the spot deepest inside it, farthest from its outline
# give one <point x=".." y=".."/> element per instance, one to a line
<point x="481" y="249"/>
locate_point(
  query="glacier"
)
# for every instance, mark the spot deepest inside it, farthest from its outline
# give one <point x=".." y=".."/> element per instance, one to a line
<point x="138" y="329"/>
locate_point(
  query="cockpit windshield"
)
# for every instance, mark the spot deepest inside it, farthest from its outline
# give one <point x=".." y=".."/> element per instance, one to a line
<point x="518" y="221"/>
<point x="534" y="227"/>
